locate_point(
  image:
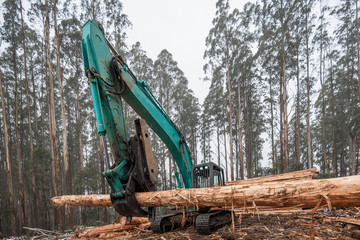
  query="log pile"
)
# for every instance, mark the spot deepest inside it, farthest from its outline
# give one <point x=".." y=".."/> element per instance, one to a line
<point x="291" y="190"/>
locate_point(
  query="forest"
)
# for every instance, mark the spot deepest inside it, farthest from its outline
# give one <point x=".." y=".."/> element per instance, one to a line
<point x="284" y="95"/>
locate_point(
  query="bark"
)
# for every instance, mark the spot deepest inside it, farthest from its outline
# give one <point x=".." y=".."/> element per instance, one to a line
<point x="335" y="192"/>
<point x="240" y="136"/>
<point x="292" y="176"/>
<point x="52" y="123"/>
<point x="9" y="178"/>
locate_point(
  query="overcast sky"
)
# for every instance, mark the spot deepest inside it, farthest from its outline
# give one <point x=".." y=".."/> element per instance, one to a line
<point x="178" y="26"/>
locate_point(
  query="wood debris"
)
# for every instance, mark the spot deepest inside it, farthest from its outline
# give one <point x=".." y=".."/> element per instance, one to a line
<point x="114" y="229"/>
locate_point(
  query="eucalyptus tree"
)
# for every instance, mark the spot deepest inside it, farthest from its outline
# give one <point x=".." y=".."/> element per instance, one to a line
<point x="346" y="34"/>
<point x="60" y="217"/>
<point x="142" y="66"/>
<point x="188" y="116"/>
<point x="206" y="132"/>
<point x="321" y="41"/>
<point x="246" y="80"/>
<point x="267" y="37"/>
<point x="214" y="107"/>
<point x="11" y="33"/>
<point x="220" y="47"/>
<point x="277" y="21"/>
<point x="116" y="24"/>
<point x="168" y="75"/>
<point x="75" y="86"/>
<point x="92" y="9"/>
<point x="9" y="178"/>
<point x="65" y="121"/>
<point x="30" y="132"/>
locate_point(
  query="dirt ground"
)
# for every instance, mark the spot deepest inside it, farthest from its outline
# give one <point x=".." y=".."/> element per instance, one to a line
<point x="324" y="225"/>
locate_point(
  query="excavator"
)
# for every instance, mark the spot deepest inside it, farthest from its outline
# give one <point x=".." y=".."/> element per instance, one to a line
<point x="133" y="167"/>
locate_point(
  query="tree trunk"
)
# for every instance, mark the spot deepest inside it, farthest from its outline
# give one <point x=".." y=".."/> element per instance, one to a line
<point x="336" y="192"/>
<point x="308" y="88"/>
<point x="31" y="145"/>
<point x="170" y="170"/>
<point x="63" y="115"/>
<point x="56" y="161"/>
<point x="273" y="150"/>
<point x="230" y="116"/>
<point x="102" y="169"/>
<point x="9" y="179"/>
<point x="81" y="158"/>
<point x="342" y="163"/>
<point x="240" y="136"/>
<point x="281" y="170"/>
<point x="358" y="43"/>
<point x="162" y="146"/>
<point x="36" y="131"/>
<point x="284" y="154"/>
<point x="298" y="111"/>
<point x="334" y="161"/>
<point x="285" y="117"/>
<point x="20" y="185"/>
<point x="352" y="153"/>
<point x="226" y="164"/>
<point x="218" y="145"/>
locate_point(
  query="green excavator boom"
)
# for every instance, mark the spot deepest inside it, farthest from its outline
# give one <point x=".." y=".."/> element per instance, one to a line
<point x="112" y="81"/>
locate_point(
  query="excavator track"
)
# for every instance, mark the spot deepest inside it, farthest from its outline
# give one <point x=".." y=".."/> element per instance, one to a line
<point x="209" y="222"/>
<point x="169" y="222"/>
<point x="166" y="223"/>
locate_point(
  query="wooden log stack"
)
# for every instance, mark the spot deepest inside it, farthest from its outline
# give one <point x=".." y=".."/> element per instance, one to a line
<point x="297" y="189"/>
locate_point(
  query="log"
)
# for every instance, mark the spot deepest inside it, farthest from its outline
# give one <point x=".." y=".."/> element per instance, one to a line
<point x="103" y="200"/>
<point x="291" y="176"/>
<point x="335" y="192"/>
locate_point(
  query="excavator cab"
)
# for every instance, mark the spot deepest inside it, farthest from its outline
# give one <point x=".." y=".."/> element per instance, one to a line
<point x="207" y="175"/>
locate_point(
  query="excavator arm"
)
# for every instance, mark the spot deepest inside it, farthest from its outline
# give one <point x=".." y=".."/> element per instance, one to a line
<point x="134" y="169"/>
